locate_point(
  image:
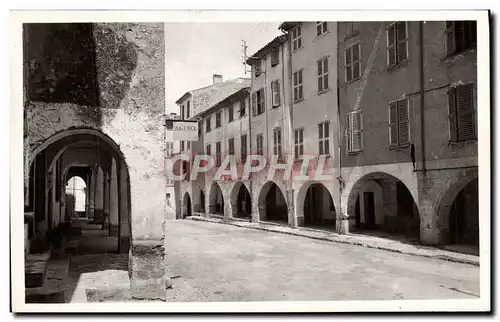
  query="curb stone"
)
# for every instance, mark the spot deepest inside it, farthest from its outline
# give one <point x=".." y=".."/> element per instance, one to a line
<point x="258" y="226"/>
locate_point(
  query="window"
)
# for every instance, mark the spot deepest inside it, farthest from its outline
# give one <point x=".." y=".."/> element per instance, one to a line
<point x="187" y="109"/>
<point x="188" y="144"/>
<point x="258" y="106"/>
<point x="182" y="146"/>
<point x="218" y="121"/>
<point x="397" y="43"/>
<point x="182" y="112"/>
<point x="242" y="108"/>
<point x="231" y="146"/>
<point x="277" y="143"/>
<point x="324" y="138"/>
<point x="217" y="154"/>
<point x="298" y="143"/>
<point x="355" y="131"/>
<point x="321" y="28"/>
<point x="260" y="144"/>
<point x="243" y="148"/>
<point x="258" y="68"/>
<point x="460" y="36"/>
<point x="461" y="113"/>
<point x="209" y="149"/>
<point x="399" y="125"/>
<point x="297" y="38"/>
<point x="168" y="195"/>
<point x="352" y="63"/>
<point x="323" y="74"/>
<point x="276" y="90"/>
<point x="297" y="86"/>
<point x="275" y="56"/>
<point x="231" y="113"/>
<point x="207" y="124"/>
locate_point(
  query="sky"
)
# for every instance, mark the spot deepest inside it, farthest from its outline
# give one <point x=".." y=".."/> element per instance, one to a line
<point x="196" y="51"/>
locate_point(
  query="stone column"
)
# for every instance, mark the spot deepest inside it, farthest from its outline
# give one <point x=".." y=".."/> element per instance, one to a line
<point x="92" y="188"/>
<point x="105" y="207"/>
<point x="114" y="220"/>
<point x="99" y="197"/>
<point x="124" y="210"/>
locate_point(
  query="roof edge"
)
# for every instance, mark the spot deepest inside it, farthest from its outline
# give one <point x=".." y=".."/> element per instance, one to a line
<point x="278" y="40"/>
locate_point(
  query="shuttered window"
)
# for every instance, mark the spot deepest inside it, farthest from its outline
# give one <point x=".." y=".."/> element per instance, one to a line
<point x="355" y="131"/>
<point x="324" y="138"/>
<point x="298" y="143"/>
<point x="277" y="143"/>
<point x="260" y="144"/>
<point x="218" y="119"/>
<point x="397" y="43"/>
<point x="352" y="63"/>
<point x="209" y="150"/>
<point x="276" y="90"/>
<point x="399" y="123"/>
<point x="207" y="124"/>
<point x="461" y="113"/>
<point x="297" y="38"/>
<point x="242" y="108"/>
<point x="298" y="91"/>
<point x="275" y="56"/>
<point x="322" y="74"/>
<point x="231" y="146"/>
<point x="230" y="111"/>
<point x="244" y="148"/>
<point x="258" y="102"/>
<point x="258" y="68"/>
<point x="460" y="36"/>
<point x="217" y="154"/>
<point x="321" y="28"/>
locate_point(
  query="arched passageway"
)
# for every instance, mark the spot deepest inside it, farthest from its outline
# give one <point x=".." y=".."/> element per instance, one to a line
<point x="102" y="220"/>
<point x="381" y="204"/>
<point x="460" y="209"/>
<point x="76" y="197"/>
<point x="216" y="201"/>
<point x="241" y="202"/>
<point x="319" y="210"/>
<point x="186" y="205"/>
<point x="202" y="201"/>
<point x="272" y="204"/>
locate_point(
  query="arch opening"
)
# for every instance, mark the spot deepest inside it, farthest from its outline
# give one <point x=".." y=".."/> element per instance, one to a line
<point x="202" y="201"/>
<point x="381" y="204"/>
<point x="319" y="209"/>
<point x="216" y="201"/>
<point x="272" y="204"/>
<point x="76" y="197"/>
<point x="186" y="205"/>
<point x="241" y="202"/>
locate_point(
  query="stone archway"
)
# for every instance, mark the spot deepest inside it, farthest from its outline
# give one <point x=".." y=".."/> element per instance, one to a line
<point x="315" y="206"/>
<point x="186" y="205"/>
<point x="381" y="202"/>
<point x="458" y="213"/>
<point x="241" y="202"/>
<point x="216" y="200"/>
<point x="272" y="204"/>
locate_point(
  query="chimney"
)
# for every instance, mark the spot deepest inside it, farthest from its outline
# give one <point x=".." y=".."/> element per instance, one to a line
<point x="217" y="79"/>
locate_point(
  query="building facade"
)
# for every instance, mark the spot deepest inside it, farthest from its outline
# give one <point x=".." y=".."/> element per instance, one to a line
<point x="408" y="118"/>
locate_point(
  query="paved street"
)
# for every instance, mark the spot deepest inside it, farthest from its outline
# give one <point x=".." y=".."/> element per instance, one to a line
<point x="216" y="262"/>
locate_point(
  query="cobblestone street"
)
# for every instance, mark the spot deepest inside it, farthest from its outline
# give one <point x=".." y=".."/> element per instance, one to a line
<point x="216" y="262"/>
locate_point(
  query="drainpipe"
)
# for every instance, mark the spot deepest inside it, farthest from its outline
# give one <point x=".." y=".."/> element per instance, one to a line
<point x="422" y="102"/>
<point x="250" y="142"/>
<point x="339" y="144"/>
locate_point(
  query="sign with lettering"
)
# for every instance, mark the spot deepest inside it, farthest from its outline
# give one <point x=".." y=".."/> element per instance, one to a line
<point x="185" y="131"/>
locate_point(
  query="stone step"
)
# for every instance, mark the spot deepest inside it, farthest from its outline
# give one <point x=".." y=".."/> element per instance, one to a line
<point x="55" y="284"/>
<point x="35" y="269"/>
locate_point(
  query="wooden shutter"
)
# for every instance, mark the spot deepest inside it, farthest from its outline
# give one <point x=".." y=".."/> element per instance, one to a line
<point x="465" y="112"/>
<point x="391" y="45"/>
<point x="450" y="38"/>
<point x="277" y="88"/>
<point x="401" y="34"/>
<point x="348" y="66"/>
<point x="254" y="104"/>
<point x="403" y="122"/>
<point x="452" y="115"/>
<point x="393" y="124"/>
<point x="262" y="101"/>
<point x="356" y="130"/>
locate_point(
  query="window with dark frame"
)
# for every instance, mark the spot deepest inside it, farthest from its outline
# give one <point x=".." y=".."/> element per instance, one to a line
<point x="230" y="111"/>
<point x="187" y="109"/>
<point x="324" y="138"/>
<point x="352" y="62"/>
<point x="297" y="38"/>
<point x="323" y="74"/>
<point x="260" y="144"/>
<point x="208" y="124"/>
<point x="277" y="143"/>
<point x="399" y="123"/>
<point x="298" y="89"/>
<point x="242" y="108"/>
<point x="275" y="56"/>
<point x="298" y="143"/>
<point x="182" y="146"/>
<point x="218" y="119"/>
<point x="182" y="112"/>
<point x="218" y="153"/>
<point x="243" y="148"/>
<point x="354" y="131"/>
<point x="460" y="36"/>
<point x="461" y="114"/>
<point x="258" y="103"/>
<point x="258" y="68"/>
<point x="321" y="28"/>
<point x="276" y="92"/>
<point x="397" y="43"/>
<point x="209" y="149"/>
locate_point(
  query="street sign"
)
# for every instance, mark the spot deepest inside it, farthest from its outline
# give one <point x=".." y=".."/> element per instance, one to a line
<point x="185" y="131"/>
